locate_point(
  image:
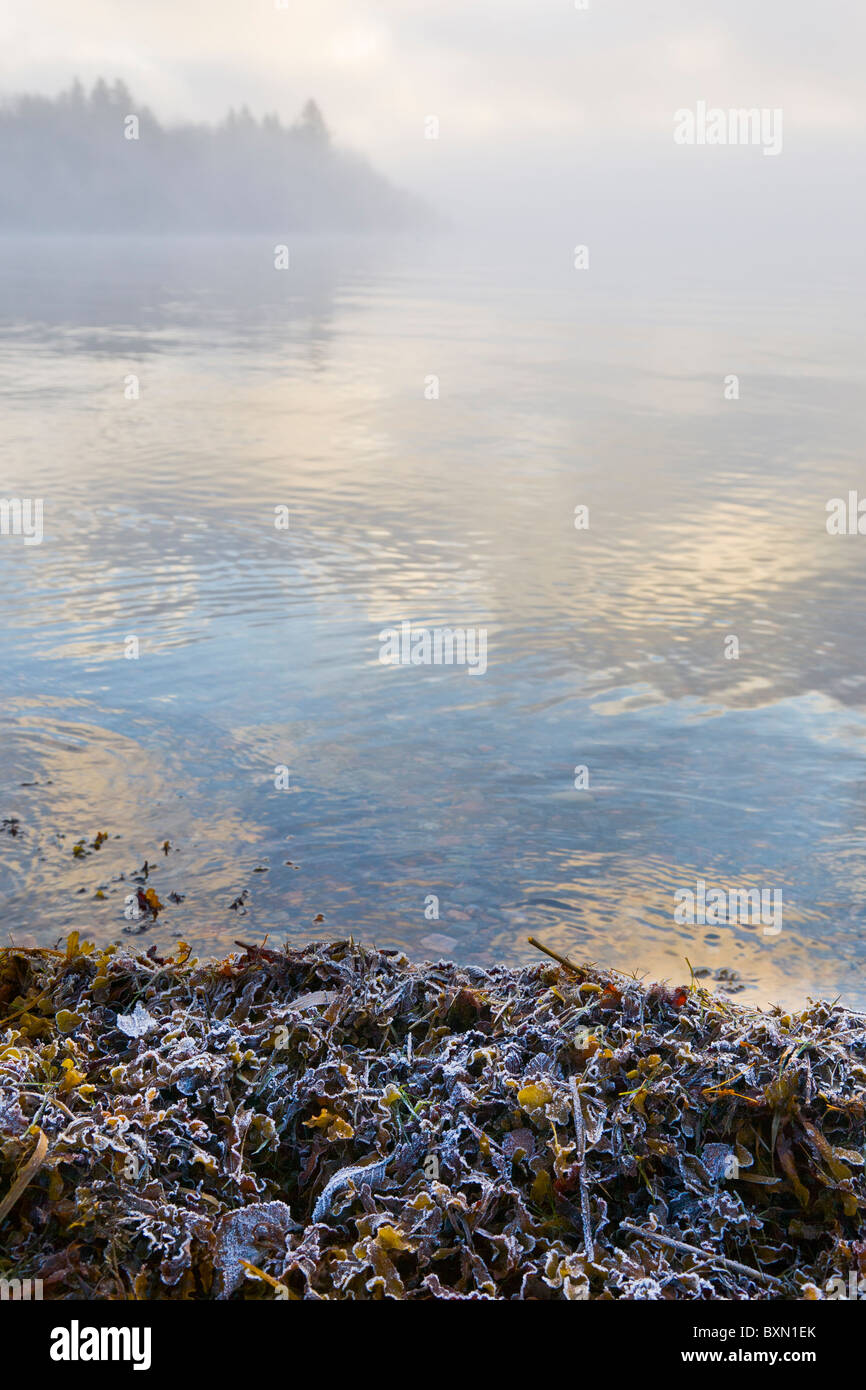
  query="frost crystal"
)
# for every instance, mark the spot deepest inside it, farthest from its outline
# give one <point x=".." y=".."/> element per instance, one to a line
<point x="136" y="1024"/>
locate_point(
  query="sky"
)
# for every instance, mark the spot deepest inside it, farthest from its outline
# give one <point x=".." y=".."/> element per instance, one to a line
<point x="535" y="90"/>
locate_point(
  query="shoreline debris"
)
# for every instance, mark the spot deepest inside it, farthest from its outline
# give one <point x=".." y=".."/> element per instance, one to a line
<point x="337" y="1122"/>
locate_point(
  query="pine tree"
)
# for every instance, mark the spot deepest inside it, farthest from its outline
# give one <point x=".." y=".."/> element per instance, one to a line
<point x="313" y="124"/>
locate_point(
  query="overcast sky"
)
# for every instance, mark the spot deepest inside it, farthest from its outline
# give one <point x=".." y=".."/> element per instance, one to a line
<point x="530" y="85"/>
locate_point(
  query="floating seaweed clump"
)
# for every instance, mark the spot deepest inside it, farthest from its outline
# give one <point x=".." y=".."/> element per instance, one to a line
<point x="335" y="1122"/>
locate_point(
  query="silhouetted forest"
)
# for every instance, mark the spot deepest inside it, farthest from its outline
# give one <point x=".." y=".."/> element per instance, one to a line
<point x="103" y="163"/>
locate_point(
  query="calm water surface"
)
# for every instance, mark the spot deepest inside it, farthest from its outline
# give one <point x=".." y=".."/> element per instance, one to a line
<point x="259" y="647"/>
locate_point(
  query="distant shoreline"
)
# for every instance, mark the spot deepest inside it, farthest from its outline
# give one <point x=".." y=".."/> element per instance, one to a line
<point x="100" y="162"/>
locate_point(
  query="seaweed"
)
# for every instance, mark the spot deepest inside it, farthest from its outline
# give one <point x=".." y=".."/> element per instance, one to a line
<point x="337" y="1122"/>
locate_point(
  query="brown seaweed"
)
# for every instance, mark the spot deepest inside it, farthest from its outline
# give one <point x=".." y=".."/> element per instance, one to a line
<point x="336" y="1122"/>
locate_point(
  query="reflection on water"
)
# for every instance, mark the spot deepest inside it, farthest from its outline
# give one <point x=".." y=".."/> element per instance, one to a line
<point x="259" y="647"/>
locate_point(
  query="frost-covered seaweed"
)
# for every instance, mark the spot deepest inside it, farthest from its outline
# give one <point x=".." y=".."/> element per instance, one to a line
<point x="335" y="1122"/>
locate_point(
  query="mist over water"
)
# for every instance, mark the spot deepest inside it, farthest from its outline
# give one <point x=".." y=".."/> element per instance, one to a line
<point x="260" y="647"/>
<point x="100" y="162"/>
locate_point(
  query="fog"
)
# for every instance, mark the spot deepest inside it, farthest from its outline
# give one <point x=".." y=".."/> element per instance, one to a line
<point x="99" y="162"/>
<point x="642" y="298"/>
<point x="550" y="116"/>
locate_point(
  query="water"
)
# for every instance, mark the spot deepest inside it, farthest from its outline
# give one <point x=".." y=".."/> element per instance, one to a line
<point x="259" y="647"/>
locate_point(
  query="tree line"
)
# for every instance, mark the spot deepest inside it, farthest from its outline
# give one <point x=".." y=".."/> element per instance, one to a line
<point x="100" y="162"/>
